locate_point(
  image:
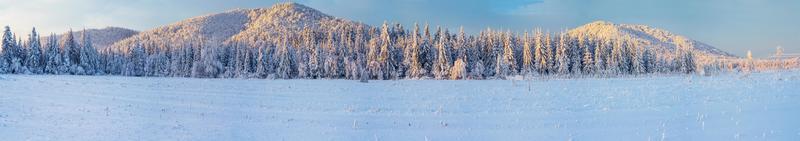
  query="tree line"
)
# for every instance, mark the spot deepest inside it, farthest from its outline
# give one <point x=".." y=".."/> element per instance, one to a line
<point x="354" y="52"/>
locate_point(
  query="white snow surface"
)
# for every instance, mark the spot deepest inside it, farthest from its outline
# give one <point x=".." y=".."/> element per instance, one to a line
<point x="761" y="106"/>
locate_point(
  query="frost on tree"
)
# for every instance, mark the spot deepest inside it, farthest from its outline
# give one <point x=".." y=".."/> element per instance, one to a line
<point x="12" y="54"/>
<point x="34" y="61"/>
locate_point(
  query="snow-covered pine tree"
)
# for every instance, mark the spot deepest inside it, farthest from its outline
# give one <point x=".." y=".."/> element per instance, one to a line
<point x="262" y="63"/>
<point x="508" y="65"/>
<point x="89" y="60"/>
<point x="548" y="55"/>
<point x="34" y="58"/>
<point x="562" y="56"/>
<point x="649" y="60"/>
<point x="313" y="65"/>
<point x="637" y="58"/>
<point x="188" y="58"/>
<point x="588" y="58"/>
<point x="527" y="56"/>
<point x="749" y="64"/>
<point x="459" y="70"/>
<point x="314" y="68"/>
<point x="575" y="53"/>
<point x="779" y="58"/>
<point x="135" y="64"/>
<point x="53" y="57"/>
<point x="331" y="64"/>
<point x="385" y="57"/>
<point x="442" y="67"/>
<point x="207" y="64"/>
<point x="491" y="53"/>
<point x="460" y="44"/>
<point x="246" y="61"/>
<point x="427" y="52"/>
<point x="687" y="61"/>
<point x="412" y="57"/>
<point x="615" y="58"/>
<point x="301" y="54"/>
<point x="175" y="64"/>
<point x="539" y="53"/>
<point x="602" y="56"/>
<point x="285" y="60"/>
<point x="71" y="54"/>
<point x="20" y="65"/>
<point x="8" y="51"/>
<point x="155" y="63"/>
<point x="228" y="58"/>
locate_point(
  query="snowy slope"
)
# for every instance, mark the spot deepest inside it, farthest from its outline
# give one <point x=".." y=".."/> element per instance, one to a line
<point x="255" y="27"/>
<point x="726" y="107"/>
<point x="241" y="25"/>
<point x="656" y="38"/>
<point x="101" y="38"/>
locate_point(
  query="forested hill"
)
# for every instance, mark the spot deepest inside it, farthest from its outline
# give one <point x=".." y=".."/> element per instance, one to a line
<point x="293" y="41"/>
<point x="103" y="37"/>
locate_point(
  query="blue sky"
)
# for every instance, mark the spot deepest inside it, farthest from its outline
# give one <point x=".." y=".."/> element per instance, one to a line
<point x="732" y="25"/>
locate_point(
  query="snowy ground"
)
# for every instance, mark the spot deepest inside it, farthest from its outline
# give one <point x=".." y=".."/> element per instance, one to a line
<point x="762" y="106"/>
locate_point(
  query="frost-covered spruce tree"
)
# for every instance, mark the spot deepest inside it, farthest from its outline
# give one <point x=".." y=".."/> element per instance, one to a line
<point x="207" y="63"/>
<point x="262" y="64"/>
<point x="427" y="52"/>
<point x="385" y="57"/>
<point x="158" y="62"/>
<point x="491" y="53"/>
<point x="615" y="58"/>
<point x="527" y="56"/>
<point x="135" y="64"/>
<point x="12" y="55"/>
<point x="314" y="67"/>
<point x="175" y="61"/>
<point x="562" y="58"/>
<point x="114" y="62"/>
<point x="601" y="53"/>
<point x="549" y="55"/>
<point x="53" y="57"/>
<point x="285" y="60"/>
<point x="459" y="69"/>
<point x="509" y="63"/>
<point x="182" y="61"/>
<point x="460" y="46"/>
<point x="442" y="67"/>
<point x="22" y="54"/>
<point x="243" y="61"/>
<point x="8" y="51"/>
<point x="411" y="57"/>
<point x="331" y="64"/>
<point x="575" y="54"/>
<point x="71" y="53"/>
<point x="307" y="59"/>
<point x="685" y="60"/>
<point x="637" y="59"/>
<point x="539" y="53"/>
<point x="301" y="57"/>
<point x="89" y="60"/>
<point x="588" y="59"/>
<point x="35" y="57"/>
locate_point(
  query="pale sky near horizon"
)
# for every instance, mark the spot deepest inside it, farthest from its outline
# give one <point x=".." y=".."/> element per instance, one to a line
<point x="734" y="26"/>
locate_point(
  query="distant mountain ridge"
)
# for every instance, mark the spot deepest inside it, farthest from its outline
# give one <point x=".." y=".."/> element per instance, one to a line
<point x="103" y="37"/>
<point x="257" y="26"/>
<point x="657" y="38"/>
<point x="240" y="25"/>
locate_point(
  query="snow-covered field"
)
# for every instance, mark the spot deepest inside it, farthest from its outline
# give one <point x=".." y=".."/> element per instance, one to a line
<point x="763" y="106"/>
